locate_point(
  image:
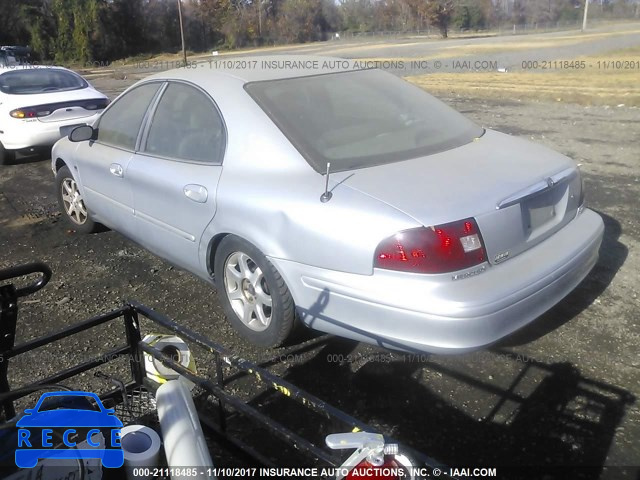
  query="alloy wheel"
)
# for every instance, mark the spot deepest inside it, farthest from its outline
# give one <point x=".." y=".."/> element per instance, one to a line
<point x="73" y="204"/>
<point x="247" y="290"/>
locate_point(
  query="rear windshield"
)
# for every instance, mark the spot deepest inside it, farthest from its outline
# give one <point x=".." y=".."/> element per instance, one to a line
<point x="39" y="80"/>
<point x="76" y="402"/>
<point x="360" y="119"/>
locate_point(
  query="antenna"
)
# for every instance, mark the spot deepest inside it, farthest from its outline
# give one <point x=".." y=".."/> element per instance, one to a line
<point x="326" y="196"/>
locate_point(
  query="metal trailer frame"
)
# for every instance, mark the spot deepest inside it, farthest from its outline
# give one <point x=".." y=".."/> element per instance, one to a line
<point x="130" y="313"/>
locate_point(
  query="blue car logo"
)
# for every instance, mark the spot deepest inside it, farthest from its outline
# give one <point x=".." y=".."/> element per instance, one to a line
<point x="67" y="425"/>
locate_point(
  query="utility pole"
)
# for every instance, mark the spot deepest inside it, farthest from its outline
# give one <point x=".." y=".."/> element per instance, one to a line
<point x="184" y="50"/>
<point x="584" y="20"/>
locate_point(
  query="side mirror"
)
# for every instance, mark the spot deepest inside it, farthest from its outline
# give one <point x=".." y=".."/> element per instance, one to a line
<point x="82" y="133"/>
<point x="29" y="411"/>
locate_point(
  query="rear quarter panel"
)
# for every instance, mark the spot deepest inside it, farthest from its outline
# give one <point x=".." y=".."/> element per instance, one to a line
<point x="270" y="196"/>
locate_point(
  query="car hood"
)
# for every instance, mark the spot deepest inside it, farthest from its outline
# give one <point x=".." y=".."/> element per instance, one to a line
<point x="463" y="182"/>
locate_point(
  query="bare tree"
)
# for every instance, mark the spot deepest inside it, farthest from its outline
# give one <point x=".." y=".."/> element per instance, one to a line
<point x="439" y="13"/>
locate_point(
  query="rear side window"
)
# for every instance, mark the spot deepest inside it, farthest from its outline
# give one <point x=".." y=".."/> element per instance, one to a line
<point x="120" y="124"/>
<point x="39" y="80"/>
<point x="186" y="126"/>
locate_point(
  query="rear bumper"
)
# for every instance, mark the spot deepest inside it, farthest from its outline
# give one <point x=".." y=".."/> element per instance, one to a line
<point x="21" y="135"/>
<point x="434" y="313"/>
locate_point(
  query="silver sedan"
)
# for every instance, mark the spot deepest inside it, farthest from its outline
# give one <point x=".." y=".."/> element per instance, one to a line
<point x="308" y="190"/>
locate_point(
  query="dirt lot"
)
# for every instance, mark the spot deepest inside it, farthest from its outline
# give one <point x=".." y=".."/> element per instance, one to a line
<point x="563" y="392"/>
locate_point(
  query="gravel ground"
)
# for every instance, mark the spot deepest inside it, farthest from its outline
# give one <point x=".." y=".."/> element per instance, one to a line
<point x="561" y="392"/>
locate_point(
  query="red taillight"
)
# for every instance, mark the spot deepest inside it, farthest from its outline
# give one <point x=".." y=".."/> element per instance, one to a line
<point x="22" y="113"/>
<point x="440" y="249"/>
<point x="390" y="470"/>
<point x="29" y="113"/>
<point x="47" y="109"/>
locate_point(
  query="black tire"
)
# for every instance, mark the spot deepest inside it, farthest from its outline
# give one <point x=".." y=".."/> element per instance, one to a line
<point x="6" y="156"/>
<point x="282" y="311"/>
<point x="80" y="223"/>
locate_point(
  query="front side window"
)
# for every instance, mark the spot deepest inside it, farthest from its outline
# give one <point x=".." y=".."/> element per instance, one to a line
<point x="120" y="124"/>
<point x="23" y="81"/>
<point x="360" y="118"/>
<point x="186" y="126"/>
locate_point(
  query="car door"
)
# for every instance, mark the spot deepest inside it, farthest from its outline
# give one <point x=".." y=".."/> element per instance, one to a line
<point x="102" y="164"/>
<point x="174" y="175"/>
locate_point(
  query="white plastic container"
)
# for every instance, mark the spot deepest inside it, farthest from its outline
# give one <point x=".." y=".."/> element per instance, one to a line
<point x="141" y="448"/>
<point x="184" y="442"/>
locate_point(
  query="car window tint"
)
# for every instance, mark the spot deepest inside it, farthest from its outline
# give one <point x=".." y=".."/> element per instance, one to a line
<point x="360" y="119"/>
<point x="187" y="126"/>
<point x="42" y="80"/>
<point x="120" y="124"/>
<point x="77" y="402"/>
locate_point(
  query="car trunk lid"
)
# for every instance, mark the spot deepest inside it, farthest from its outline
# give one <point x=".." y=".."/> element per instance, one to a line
<point x="64" y="105"/>
<point x="519" y="193"/>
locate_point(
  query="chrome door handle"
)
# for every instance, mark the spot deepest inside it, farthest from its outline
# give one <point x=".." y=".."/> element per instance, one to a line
<point x="197" y="193"/>
<point x="116" y="169"/>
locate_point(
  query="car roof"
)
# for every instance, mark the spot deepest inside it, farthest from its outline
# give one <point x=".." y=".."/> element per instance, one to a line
<point x="69" y="394"/>
<point x="245" y="69"/>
